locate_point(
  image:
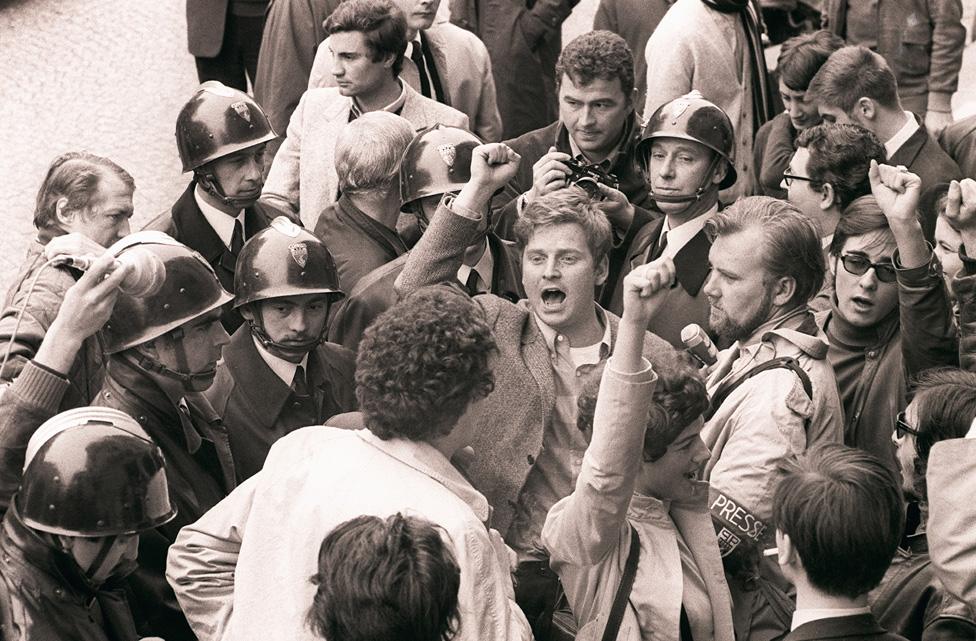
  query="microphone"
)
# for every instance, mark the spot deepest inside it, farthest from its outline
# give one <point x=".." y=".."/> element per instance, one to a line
<point x="146" y="276"/>
<point x="699" y="345"/>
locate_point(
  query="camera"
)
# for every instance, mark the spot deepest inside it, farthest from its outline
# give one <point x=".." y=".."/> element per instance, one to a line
<point x="588" y="177"/>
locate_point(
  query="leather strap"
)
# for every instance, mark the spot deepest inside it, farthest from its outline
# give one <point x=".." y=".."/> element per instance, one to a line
<point x="624" y="589"/>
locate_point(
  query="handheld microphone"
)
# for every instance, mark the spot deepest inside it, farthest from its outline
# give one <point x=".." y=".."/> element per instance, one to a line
<point x="146" y="271"/>
<point x="699" y="345"/>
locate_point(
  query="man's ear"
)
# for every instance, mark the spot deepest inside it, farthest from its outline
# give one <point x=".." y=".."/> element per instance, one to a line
<point x="827" y="196"/>
<point x="784" y="289"/>
<point x="389" y="60"/>
<point x="247" y="311"/>
<point x="602" y="269"/>
<point x="832" y="265"/>
<point x="64" y="215"/>
<point x="149" y="349"/>
<point x="721" y="169"/>
<point x="786" y="555"/>
<point x="866" y="108"/>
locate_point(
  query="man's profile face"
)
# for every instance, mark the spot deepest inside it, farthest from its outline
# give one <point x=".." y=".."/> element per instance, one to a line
<point x="354" y="70"/>
<point x="804" y="193"/>
<point x="803" y="113"/>
<point x="594" y="114"/>
<point x="241" y="174"/>
<point x="739" y="293"/>
<point x="201" y="342"/>
<point x="107" y="218"/>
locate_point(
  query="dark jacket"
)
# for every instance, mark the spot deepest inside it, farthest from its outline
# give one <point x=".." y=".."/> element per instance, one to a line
<point x="358" y="243"/>
<point x="911" y="600"/>
<point x="686" y="302"/>
<point x="524" y="39"/>
<point x="926" y="159"/>
<point x="259" y="408"/>
<point x="860" y="627"/>
<point x="374" y="293"/>
<point x="42" y="306"/>
<point x="45" y="595"/>
<point x="919" y="336"/>
<point x="199" y="469"/>
<point x="185" y="223"/>
<point x="964" y="287"/>
<point x="959" y="141"/>
<point x="772" y="152"/>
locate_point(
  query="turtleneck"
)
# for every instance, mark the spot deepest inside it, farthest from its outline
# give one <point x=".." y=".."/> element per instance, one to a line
<point x="853" y="337"/>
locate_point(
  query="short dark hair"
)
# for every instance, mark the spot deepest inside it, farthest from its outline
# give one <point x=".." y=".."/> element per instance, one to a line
<point x="74" y="176"/>
<point x="384" y="580"/>
<point x="597" y="54"/>
<point x="565" y="207"/>
<point x="842" y="509"/>
<point x="840" y="154"/>
<point x="945" y="399"/>
<point x="381" y="22"/>
<point x="679" y="398"/>
<point x="422" y="362"/>
<point x="862" y="216"/>
<point x="801" y="57"/>
<point x="791" y="240"/>
<point x="852" y="73"/>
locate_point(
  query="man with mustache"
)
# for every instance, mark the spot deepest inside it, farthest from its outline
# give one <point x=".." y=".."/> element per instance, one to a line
<point x="221" y="134"/>
<point x="278" y="373"/>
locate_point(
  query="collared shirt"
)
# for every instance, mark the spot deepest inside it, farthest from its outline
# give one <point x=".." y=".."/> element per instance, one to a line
<point x="815" y="614"/>
<point x="894" y="143"/>
<point x="285" y="370"/>
<point x="355" y="111"/>
<point x="611" y="160"/>
<point x="682" y="234"/>
<point x="485" y="268"/>
<point x="408" y="54"/>
<point x="222" y="223"/>
<point x="554" y="472"/>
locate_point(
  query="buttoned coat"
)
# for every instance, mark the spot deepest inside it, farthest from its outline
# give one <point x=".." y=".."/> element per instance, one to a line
<point x="261" y="408"/>
<point x="303" y="179"/>
<point x="463" y="67"/>
<point x="691" y="49"/>
<point x="512" y="419"/>
<point x="205" y="22"/>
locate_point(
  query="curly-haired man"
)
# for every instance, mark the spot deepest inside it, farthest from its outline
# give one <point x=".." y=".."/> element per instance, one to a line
<point x="242" y="570"/>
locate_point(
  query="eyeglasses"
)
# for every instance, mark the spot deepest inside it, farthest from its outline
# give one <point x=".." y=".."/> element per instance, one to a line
<point x="789" y="178"/>
<point x="859" y="265"/>
<point x="902" y="427"/>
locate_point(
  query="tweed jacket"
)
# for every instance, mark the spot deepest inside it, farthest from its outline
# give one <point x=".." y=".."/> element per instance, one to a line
<point x="512" y="419"/>
<point x="464" y="69"/>
<point x="959" y="141"/>
<point x="926" y="159"/>
<point x="205" y="22"/>
<point x="695" y="47"/>
<point x="922" y="40"/>
<point x="952" y="512"/>
<point x="303" y="178"/>
<point x="685" y="303"/>
<point x="260" y="408"/>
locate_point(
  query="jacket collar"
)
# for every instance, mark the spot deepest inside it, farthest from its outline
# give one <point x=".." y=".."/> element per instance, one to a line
<point x="799" y="329"/>
<point x="428" y="460"/>
<point x="506" y="278"/>
<point x="909" y="151"/>
<point x="837" y="628"/>
<point x="691" y="261"/>
<point x="266" y="393"/>
<point x="649" y="509"/>
<point x="197" y="234"/>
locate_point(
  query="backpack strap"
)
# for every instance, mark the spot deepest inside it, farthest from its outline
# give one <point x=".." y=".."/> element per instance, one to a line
<point x="782" y="362"/>
<point x="624" y="589"/>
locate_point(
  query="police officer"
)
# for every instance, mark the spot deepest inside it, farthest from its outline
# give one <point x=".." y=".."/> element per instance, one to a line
<point x="164" y="339"/>
<point x="437" y="162"/>
<point x="93" y="482"/>
<point x="687" y="150"/>
<point x="221" y="135"/>
<point x="278" y="373"/>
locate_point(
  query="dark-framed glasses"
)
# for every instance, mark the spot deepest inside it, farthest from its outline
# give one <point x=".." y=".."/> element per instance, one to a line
<point x="859" y="265"/>
<point x="789" y="178"/>
<point x="902" y="427"/>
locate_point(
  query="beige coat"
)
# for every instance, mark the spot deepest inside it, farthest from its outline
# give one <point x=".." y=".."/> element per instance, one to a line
<point x="952" y="515"/>
<point x="303" y="178"/>
<point x="463" y="66"/>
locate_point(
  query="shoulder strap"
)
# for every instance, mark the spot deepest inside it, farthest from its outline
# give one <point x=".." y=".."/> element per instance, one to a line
<point x="783" y="362"/>
<point x="623" y="590"/>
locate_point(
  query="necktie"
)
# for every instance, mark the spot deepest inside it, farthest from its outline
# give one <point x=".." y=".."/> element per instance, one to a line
<point x="237" y="239"/>
<point x="659" y="247"/>
<point x="417" y="55"/>
<point x="299" y="385"/>
<point x="471" y="284"/>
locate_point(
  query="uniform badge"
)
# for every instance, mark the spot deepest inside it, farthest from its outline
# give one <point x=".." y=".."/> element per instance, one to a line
<point x="241" y="108"/>
<point x="448" y="154"/>
<point x="299" y="252"/>
<point x="678" y="107"/>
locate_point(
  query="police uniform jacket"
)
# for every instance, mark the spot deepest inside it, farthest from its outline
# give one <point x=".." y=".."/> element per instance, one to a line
<point x="512" y="419"/>
<point x="375" y="293"/>
<point x="260" y="408"/>
<point x="185" y="223"/>
<point x="199" y="470"/>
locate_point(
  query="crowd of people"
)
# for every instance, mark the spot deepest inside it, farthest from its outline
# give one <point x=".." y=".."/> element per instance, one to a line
<point x="458" y="333"/>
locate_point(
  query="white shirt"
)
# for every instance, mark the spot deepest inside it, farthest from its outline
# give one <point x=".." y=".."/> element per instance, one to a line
<point x="683" y="233"/>
<point x="485" y="267"/>
<point x="408" y="54"/>
<point x="222" y="223"/>
<point x="815" y="614"/>
<point x="285" y="370"/>
<point x="894" y="143"/>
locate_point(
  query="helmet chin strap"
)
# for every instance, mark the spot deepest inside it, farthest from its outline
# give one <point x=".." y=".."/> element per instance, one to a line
<point x="212" y="186"/>
<point x="691" y="199"/>
<point x="99" y="559"/>
<point x="185" y="379"/>
<point x="279" y="349"/>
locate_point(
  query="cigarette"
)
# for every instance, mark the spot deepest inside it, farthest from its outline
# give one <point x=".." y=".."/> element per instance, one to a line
<point x="771" y="552"/>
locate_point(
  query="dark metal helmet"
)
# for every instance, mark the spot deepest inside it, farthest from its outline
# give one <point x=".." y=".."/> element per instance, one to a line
<point x="93" y="472"/>
<point x="284" y="260"/>
<point x="188" y="288"/>
<point x="218" y="121"/>
<point x="437" y="161"/>
<point x="691" y="117"/>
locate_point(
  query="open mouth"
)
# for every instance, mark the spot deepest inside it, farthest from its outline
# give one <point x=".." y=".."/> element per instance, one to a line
<point x="862" y="304"/>
<point x="553" y="297"/>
